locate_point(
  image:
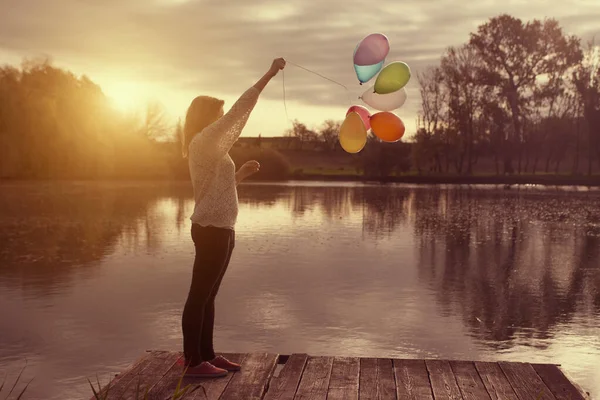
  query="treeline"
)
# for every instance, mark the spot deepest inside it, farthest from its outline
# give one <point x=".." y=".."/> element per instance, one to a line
<point x="54" y="125"/>
<point x="376" y="160"/>
<point x="523" y="94"/>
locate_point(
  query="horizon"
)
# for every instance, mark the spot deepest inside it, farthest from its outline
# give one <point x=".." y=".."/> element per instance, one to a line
<point x="155" y="59"/>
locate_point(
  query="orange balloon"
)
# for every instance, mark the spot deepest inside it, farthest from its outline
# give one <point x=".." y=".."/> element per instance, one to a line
<point x="387" y="126"/>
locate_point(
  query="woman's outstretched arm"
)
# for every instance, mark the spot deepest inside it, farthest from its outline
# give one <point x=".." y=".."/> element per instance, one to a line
<point x="221" y="135"/>
<point x="277" y="65"/>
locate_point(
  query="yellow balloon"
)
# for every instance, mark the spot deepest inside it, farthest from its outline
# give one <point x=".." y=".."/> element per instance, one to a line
<point x="353" y="134"/>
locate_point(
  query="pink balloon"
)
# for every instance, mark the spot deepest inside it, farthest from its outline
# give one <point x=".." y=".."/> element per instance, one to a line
<point x="364" y="114"/>
<point x="373" y="49"/>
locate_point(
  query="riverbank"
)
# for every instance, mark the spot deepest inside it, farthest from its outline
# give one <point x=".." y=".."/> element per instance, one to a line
<point x="549" y="180"/>
<point x="342" y="176"/>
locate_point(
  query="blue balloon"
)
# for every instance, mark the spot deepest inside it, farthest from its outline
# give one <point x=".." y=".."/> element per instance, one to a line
<point x="366" y="72"/>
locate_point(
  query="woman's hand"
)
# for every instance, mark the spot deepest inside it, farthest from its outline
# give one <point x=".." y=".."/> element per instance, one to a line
<point x="277" y="65"/>
<point x="249" y="168"/>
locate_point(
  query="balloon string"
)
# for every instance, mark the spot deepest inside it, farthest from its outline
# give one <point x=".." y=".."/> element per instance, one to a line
<point x="316" y="73"/>
<point x="284" y="103"/>
<point x="308" y="70"/>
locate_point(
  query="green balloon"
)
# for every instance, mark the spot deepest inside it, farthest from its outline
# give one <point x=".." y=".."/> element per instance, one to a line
<point x="393" y="77"/>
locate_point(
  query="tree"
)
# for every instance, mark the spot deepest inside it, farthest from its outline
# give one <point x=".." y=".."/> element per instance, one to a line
<point x="302" y="133"/>
<point x="431" y="120"/>
<point x="495" y="127"/>
<point x="586" y="79"/>
<point x="154" y="125"/>
<point x="329" y="133"/>
<point x="178" y="133"/>
<point x="516" y="56"/>
<point x="460" y="68"/>
<point x="553" y="125"/>
<point x="380" y="160"/>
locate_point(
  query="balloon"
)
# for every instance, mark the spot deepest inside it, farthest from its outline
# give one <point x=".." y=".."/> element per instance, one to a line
<point x="364" y="115"/>
<point x="353" y="135"/>
<point x="393" y="77"/>
<point x="366" y="72"/>
<point x="387" y="126"/>
<point x="373" y="49"/>
<point x="384" y="102"/>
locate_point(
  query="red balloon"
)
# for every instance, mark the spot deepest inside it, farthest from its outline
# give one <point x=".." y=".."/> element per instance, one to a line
<point x="387" y="126"/>
<point x="365" y="115"/>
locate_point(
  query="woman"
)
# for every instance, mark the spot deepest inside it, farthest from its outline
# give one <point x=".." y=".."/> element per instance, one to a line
<point x="208" y="137"/>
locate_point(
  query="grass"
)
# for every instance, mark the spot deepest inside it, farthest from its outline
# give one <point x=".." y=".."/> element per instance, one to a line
<point x="14" y="386"/>
<point x="140" y="394"/>
<point x="99" y="393"/>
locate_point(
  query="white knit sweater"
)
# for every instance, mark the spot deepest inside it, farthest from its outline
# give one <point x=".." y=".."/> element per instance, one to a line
<point x="211" y="168"/>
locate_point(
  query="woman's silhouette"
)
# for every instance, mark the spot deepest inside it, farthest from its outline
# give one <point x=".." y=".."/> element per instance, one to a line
<point x="208" y="137"/>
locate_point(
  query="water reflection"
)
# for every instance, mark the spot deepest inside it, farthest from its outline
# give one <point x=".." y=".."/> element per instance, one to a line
<point x="506" y="262"/>
<point x="52" y="234"/>
<point x="516" y="265"/>
<point x="403" y="270"/>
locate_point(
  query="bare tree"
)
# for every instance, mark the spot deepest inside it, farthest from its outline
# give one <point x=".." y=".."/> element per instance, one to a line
<point x="586" y="78"/>
<point x="516" y="56"/>
<point x="302" y="133"/>
<point x="431" y="122"/>
<point x="329" y="133"/>
<point x="155" y="124"/>
<point x="460" y="68"/>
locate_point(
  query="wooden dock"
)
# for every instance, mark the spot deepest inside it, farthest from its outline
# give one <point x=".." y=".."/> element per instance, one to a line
<point x="302" y="377"/>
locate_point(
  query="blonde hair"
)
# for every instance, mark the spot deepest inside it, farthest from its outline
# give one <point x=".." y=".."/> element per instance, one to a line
<point x="203" y="111"/>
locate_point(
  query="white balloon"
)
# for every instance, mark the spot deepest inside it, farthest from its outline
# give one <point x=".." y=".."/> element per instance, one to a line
<point x="384" y="102"/>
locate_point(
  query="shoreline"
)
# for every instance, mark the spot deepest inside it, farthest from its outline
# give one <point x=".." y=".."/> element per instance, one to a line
<point x="548" y="180"/>
<point x="509" y="180"/>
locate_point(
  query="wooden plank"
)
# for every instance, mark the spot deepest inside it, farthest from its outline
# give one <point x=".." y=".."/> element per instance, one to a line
<point x="343" y="384"/>
<point x="124" y="378"/>
<point x="412" y="380"/>
<point x="495" y="381"/>
<point x="443" y="382"/>
<point x="315" y="379"/>
<point x="377" y="380"/>
<point x="468" y="380"/>
<point x="251" y="382"/>
<point x="285" y="385"/>
<point x="144" y="378"/>
<point x="209" y="389"/>
<point x="198" y="388"/>
<point x="558" y="383"/>
<point x="526" y="383"/>
<point x="158" y="391"/>
<point x="368" y="381"/>
<point x="386" y="385"/>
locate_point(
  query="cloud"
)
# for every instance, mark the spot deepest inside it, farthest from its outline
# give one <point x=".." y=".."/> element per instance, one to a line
<point x="223" y="47"/>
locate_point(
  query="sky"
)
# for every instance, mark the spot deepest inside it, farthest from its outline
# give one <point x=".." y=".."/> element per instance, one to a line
<point x="173" y="50"/>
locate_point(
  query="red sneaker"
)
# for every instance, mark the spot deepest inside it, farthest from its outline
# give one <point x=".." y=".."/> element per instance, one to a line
<point x="222" y="362"/>
<point x="205" y="370"/>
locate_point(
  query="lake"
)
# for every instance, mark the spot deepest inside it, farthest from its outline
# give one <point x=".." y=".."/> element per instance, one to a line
<point x="93" y="274"/>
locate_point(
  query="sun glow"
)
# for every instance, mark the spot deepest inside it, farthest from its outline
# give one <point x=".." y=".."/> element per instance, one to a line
<point x="127" y="96"/>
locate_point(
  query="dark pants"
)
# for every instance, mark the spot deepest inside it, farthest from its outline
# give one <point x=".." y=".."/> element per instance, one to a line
<point x="213" y="251"/>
